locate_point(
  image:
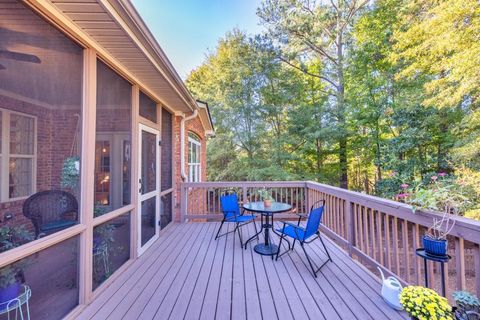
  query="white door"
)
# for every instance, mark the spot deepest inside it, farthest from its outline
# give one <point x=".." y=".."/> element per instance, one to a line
<point x="149" y="187"/>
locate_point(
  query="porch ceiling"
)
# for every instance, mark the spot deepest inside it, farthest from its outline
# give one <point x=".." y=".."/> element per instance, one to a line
<point x="117" y="28"/>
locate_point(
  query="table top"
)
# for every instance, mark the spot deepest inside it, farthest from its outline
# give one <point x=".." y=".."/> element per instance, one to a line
<point x="422" y="253"/>
<point x="275" y="207"/>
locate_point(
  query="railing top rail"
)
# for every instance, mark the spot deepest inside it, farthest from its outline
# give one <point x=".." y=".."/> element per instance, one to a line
<point x="464" y="228"/>
<point x="229" y="184"/>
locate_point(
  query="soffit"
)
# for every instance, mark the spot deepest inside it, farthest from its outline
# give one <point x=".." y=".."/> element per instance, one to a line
<point x="116" y="27"/>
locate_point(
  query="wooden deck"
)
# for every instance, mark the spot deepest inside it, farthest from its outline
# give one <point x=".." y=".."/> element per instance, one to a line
<point x="186" y="274"/>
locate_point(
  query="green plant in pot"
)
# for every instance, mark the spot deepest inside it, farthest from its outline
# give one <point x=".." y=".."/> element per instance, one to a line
<point x="468" y="306"/>
<point x="11" y="276"/>
<point x="441" y="194"/>
<point x="266" y="196"/>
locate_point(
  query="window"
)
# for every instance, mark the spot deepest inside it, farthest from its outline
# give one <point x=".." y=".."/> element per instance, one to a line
<point x="194" y="152"/>
<point x="17" y="153"/>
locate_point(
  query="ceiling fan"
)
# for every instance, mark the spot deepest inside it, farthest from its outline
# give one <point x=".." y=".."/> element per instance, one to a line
<point x="25" y="57"/>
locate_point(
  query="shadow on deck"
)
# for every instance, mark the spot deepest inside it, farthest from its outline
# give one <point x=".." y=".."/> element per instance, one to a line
<point x="186" y="274"/>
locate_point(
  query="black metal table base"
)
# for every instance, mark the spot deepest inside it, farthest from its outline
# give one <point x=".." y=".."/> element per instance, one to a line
<point x="266" y="249"/>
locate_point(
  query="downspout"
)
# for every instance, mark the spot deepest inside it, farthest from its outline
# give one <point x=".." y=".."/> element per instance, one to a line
<point x="182" y="141"/>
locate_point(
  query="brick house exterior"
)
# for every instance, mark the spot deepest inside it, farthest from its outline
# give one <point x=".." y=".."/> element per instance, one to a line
<point x="195" y="126"/>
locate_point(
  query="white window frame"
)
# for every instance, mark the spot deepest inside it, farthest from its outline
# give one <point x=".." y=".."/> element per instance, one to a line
<point x="5" y="156"/>
<point x="194" y="142"/>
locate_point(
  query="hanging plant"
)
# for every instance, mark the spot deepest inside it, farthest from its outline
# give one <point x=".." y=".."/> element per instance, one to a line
<point x="70" y="172"/>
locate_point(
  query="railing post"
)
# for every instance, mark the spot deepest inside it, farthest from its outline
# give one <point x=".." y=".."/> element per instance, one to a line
<point x="244" y="194"/>
<point x="307" y="199"/>
<point x="183" y="202"/>
<point x="350" y="226"/>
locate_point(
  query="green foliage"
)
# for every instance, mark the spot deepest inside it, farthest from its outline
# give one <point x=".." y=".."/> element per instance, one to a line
<point x="70" y="175"/>
<point x="12" y="237"/>
<point x="398" y="105"/>
<point x="265" y="194"/>
<point x="468" y="305"/>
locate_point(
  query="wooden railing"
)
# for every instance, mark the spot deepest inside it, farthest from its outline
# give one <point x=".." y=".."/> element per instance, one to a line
<point x="375" y="231"/>
<point x="202" y="200"/>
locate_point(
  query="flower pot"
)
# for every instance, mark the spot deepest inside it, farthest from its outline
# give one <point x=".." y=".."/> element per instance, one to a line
<point x="8" y="293"/>
<point x="267" y="203"/>
<point x="434" y="246"/>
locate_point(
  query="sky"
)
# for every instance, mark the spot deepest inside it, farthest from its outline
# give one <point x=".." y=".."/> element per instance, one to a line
<point x="187" y="29"/>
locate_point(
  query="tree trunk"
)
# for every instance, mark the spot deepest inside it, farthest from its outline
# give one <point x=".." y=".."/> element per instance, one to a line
<point x="342" y="153"/>
<point x="319" y="157"/>
<point x="378" y="151"/>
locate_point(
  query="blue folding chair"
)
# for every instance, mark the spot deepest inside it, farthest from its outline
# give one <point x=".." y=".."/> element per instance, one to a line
<point x="305" y="234"/>
<point x="232" y="214"/>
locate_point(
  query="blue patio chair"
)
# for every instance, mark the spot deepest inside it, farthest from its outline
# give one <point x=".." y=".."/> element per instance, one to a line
<point x="305" y="234"/>
<point x="232" y="214"/>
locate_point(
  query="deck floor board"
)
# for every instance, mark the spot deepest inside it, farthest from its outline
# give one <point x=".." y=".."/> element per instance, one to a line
<point x="187" y="274"/>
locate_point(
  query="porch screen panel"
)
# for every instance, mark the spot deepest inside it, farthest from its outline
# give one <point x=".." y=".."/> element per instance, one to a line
<point x="148" y="107"/>
<point x="113" y="141"/>
<point x="167" y="150"/>
<point x="111" y="248"/>
<point x="165" y="209"/>
<point x="49" y="279"/>
<point x="40" y="127"/>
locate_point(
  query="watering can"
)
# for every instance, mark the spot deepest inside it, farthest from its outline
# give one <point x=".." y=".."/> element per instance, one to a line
<point x="391" y="289"/>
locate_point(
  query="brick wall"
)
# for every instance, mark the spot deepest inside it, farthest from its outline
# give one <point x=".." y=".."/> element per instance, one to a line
<point x="196" y="127"/>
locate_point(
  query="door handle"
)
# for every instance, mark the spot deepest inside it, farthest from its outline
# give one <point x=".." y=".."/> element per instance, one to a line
<point x="140" y="186"/>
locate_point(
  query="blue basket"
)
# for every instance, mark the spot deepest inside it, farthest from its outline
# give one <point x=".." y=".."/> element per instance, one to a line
<point x="435" y="247"/>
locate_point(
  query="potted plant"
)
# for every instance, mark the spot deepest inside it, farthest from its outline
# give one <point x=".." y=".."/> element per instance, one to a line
<point x="11" y="276"/>
<point x="266" y="196"/>
<point x="424" y="303"/>
<point x="468" y="306"/>
<point x="435" y="240"/>
<point x="439" y="194"/>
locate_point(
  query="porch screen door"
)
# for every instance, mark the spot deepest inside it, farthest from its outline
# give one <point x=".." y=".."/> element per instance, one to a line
<point x="149" y="187"/>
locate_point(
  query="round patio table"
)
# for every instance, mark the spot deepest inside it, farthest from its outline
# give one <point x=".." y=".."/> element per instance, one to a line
<point x="267" y="248"/>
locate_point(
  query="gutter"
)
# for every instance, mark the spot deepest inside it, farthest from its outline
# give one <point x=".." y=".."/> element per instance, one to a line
<point x="182" y="141"/>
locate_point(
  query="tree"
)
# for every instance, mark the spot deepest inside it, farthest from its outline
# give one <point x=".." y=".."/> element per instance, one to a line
<point x="305" y="31"/>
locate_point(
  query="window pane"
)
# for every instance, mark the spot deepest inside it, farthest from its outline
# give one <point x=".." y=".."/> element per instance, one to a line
<point x="21" y="134"/>
<point x="20" y="176"/>
<point x="148" y="162"/>
<point x="165" y="210"/>
<point x="167" y="146"/>
<point x="197" y="153"/>
<point x="192" y="147"/>
<point x="111" y="248"/>
<point x="190" y="152"/>
<point x="50" y="278"/>
<point x="41" y="111"/>
<point x="148" y="108"/>
<point x="113" y="140"/>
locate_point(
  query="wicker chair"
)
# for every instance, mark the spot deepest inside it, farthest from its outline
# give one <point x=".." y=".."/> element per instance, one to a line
<point x="51" y="211"/>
